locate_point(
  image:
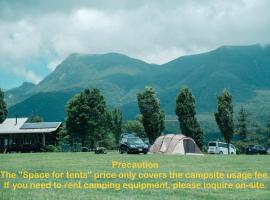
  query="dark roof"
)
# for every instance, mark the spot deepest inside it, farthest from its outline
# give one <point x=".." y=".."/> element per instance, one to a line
<point x="19" y="125"/>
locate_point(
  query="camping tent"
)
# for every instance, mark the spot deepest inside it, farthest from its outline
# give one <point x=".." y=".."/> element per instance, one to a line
<point x="175" y="144"/>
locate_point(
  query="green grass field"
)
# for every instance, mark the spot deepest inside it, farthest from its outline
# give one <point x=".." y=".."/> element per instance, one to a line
<point x="47" y="162"/>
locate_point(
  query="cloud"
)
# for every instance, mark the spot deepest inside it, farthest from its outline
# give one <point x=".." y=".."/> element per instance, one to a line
<point x="53" y="64"/>
<point x="19" y="40"/>
<point x="155" y="31"/>
<point x="27" y="74"/>
<point x="19" y="43"/>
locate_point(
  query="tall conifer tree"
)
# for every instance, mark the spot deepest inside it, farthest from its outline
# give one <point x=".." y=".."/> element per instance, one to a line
<point x="3" y="107"/>
<point x="224" y="116"/>
<point x="185" y="110"/>
<point x="152" y="116"/>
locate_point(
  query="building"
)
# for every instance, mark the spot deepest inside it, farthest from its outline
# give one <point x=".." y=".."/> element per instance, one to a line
<point x="16" y="134"/>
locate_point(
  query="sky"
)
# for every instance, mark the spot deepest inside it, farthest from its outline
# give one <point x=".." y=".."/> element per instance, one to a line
<point x="36" y="35"/>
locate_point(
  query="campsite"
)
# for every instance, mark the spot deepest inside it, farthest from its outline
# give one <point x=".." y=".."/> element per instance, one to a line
<point x="134" y="100"/>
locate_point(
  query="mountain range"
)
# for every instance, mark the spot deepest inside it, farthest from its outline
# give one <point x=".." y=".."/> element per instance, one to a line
<point x="244" y="70"/>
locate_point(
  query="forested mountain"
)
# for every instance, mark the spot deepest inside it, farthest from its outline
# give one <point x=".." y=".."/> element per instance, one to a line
<point x="244" y="70"/>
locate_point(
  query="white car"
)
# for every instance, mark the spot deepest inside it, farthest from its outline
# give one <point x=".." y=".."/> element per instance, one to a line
<point x="215" y="147"/>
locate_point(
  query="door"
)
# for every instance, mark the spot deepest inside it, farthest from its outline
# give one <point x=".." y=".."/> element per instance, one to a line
<point x="189" y="146"/>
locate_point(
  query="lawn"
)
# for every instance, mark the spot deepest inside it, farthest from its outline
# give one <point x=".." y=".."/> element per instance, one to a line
<point x="62" y="162"/>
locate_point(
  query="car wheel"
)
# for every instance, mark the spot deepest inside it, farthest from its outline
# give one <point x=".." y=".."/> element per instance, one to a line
<point x="128" y="151"/>
<point x="121" y="150"/>
<point x="220" y="153"/>
<point x="145" y="152"/>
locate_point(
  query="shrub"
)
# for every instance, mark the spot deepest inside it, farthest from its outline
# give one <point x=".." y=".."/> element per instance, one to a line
<point x="51" y="148"/>
<point x="100" y="150"/>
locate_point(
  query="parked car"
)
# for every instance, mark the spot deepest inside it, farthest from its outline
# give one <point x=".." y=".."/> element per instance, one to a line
<point x="146" y="141"/>
<point x="132" y="144"/>
<point x="255" y="149"/>
<point x="215" y="147"/>
<point x="268" y="150"/>
<point x="126" y="135"/>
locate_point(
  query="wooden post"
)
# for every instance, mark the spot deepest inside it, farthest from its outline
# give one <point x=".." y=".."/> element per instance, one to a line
<point x="10" y="140"/>
<point x="6" y="141"/>
<point x="43" y="140"/>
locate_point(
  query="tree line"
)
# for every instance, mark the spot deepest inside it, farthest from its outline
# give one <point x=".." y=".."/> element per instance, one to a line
<point x="91" y="122"/>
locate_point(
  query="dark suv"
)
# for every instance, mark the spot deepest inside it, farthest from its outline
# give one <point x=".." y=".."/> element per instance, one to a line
<point x="255" y="149"/>
<point x="132" y="144"/>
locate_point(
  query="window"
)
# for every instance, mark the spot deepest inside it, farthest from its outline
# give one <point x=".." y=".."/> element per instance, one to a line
<point x="223" y="145"/>
<point x="135" y="140"/>
<point x="212" y="144"/>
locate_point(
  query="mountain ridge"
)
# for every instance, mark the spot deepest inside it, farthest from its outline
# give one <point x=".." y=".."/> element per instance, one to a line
<point x="241" y="69"/>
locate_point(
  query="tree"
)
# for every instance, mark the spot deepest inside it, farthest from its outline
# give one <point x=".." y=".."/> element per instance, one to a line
<point x="134" y="126"/>
<point x="86" y="117"/>
<point x="63" y="136"/>
<point x="243" y="130"/>
<point x="242" y="124"/>
<point x="185" y="110"/>
<point x="224" y="116"/>
<point x="268" y="133"/>
<point x="268" y="127"/>
<point x="115" y="121"/>
<point x="152" y="116"/>
<point x="3" y="107"/>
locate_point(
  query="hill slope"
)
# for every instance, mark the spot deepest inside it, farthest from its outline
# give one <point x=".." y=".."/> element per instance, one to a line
<point x="241" y="69"/>
<point x="18" y="94"/>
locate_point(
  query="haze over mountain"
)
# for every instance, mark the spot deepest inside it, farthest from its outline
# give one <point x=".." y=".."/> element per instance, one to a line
<point x="19" y="93"/>
<point x="244" y="70"/>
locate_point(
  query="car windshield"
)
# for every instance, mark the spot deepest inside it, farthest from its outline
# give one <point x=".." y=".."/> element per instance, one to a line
<point x="135" y="141"/>
<point x="212" y="144"/>
<point x="259" y="147"/>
